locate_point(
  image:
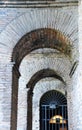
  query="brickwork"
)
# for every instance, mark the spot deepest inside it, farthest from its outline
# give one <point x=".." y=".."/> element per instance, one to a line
<point x="22" y="30"/>
<point x="32" y="64"/>
<point x="33" y="19"/>
<point x="15" y="77"/>
<point x="5" y="95"/>
<point x="44" y="85"/>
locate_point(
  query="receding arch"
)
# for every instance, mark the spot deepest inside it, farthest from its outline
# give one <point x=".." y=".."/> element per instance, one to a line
<point x="43" y="74"/>
<point x="31" y="84"/>
<point x="41" y="38"/>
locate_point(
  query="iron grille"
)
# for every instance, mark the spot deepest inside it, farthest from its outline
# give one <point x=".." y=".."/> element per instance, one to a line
<point x="47" y="114"/>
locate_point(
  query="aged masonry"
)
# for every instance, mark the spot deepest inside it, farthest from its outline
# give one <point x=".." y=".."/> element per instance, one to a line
<point x="40" y="65"/>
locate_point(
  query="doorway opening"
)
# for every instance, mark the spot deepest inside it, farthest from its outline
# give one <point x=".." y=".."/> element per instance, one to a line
<point x="53" y="111"/>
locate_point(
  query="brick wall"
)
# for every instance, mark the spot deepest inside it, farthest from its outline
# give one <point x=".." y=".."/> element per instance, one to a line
<point x="15" y="23"/>
<point x="32" y="63"/>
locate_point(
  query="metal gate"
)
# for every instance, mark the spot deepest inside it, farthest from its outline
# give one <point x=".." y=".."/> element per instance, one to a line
<point x="53" y="117"/>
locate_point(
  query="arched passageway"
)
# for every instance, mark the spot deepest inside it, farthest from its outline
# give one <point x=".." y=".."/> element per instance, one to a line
<point x="31" y="84"/>
<point x="40" y="38"/>
<point x="29" y="30"/>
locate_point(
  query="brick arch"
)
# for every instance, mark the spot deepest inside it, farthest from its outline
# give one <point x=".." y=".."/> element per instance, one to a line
<point x="43" y="86"/>
<point x="40" y="18"/>
<point x="43" y="74"/>
<point x="41" y="38"/>
<point x="31" y="84"/>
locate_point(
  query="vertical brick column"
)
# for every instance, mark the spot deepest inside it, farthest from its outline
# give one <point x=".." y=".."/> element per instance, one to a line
<point x="78" y="86"/>
<point x="75" y="101"/>
<point x="78" y="97"/>
<point x="5" y="95"/>
<point x="75" y="87"/>
<point x="70" y="100"/>
<point x="74" y="98"/>
<point x="29" y="110"/>
<point x="15" y="77"/>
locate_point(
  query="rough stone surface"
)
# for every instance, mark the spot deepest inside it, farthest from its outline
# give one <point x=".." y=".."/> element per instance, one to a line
<point x="32" y="19"/>
<point x="42" y="87"/>
<point x="32" y="63"/>
<point x="14" y="24"/>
